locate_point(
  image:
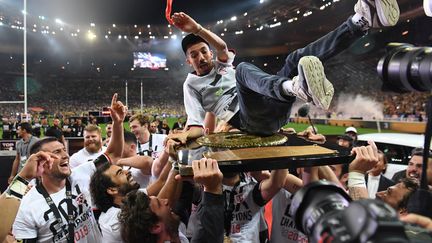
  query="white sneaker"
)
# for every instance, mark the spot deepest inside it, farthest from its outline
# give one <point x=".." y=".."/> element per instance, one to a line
<point x="427" y="6"/>
<point x="311" y="85"/>
<point x="378" y="13"/>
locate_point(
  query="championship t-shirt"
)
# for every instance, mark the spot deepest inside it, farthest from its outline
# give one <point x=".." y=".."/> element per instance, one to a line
<point x="283" y="226"/>
<point x="35" y="219"/>
<point x="247" y="214"/>
<point x="110" y="226"/>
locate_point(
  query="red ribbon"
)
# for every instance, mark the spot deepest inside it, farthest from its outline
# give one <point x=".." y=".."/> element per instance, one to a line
<point x="168" y="11"/>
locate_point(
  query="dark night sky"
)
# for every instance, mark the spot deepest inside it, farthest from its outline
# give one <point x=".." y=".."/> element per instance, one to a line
<point x="133" y="11"/>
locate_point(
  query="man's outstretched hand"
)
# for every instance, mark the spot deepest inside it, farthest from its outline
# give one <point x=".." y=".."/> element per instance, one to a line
<point x="35" y="164"/>
<point x="207" y="173"/>
<point x="185" y="23"/>
<point x="117" y="109"/>
<point x="366" y="158"/>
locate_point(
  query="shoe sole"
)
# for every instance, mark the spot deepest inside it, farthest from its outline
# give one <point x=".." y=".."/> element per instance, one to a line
<point x="388" y="12"/>
<point x="319" y="88"/>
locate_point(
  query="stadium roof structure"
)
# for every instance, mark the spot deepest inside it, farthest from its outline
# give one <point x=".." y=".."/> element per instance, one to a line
<point x="258" y="27"/>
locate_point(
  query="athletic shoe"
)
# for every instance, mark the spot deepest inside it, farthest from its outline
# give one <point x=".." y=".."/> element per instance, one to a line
<point x="378" y="13"/>
<point x="311" y="85"/>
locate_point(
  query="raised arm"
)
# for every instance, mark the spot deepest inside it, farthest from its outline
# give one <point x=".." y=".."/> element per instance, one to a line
<point x="14" y="167"/>
<point x="292" y="183"/>
<point x="187" y="24"/>
<point x="269" y="187"/>
<point x="11" y="198"/>
<point x="366" y="159"/>
<point x="160" y="162"/>
<point x="210" y="226"/>
<point x="141" y="162"/>
<point x="118" y="113"/>
<point x="210" y="122"/>
<point x="182" y="138"/>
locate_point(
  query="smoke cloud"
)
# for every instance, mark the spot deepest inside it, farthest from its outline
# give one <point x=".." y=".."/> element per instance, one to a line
<point x="349" y="105"/>
<point x="346" y="106"/>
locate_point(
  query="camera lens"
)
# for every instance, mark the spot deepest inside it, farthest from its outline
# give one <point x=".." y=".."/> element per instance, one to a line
<point x="406" y="68"/>
<point x="316" y="202"/>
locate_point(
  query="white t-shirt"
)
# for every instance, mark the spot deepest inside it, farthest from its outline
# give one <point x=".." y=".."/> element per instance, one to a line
<point x="82" y="175"/>
<point x="372" y="185"/>
<point x="283" y="226"/>
<point x="157" y="147"/>
<point x="36" y="220"/>
<point x="110" y="225"/>
<point x="247" y="215"/>
<point x="84" y="156"/>
<point x="215" y="92"/>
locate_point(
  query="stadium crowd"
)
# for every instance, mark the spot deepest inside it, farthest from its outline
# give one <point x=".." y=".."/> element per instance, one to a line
<point x="81" y="95"/>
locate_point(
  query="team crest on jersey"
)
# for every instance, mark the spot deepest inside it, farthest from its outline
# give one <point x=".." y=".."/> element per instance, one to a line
<point x="238" y="198"/>
<point x="80" y="199"/>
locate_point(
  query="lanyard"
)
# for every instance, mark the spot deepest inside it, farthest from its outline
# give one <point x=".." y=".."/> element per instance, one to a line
<point x="149" y="150"/>
<point x="229" y="207"/>
<point x="70" y="219"/>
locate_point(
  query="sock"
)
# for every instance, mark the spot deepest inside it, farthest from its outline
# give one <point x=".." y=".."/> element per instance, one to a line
<point x="287" y="87"/>
<point x="360" y="21"/>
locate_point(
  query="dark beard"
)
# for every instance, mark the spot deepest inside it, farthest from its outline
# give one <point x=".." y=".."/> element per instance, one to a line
<point x="172" y="225"/>
<point x="125" y="188"/>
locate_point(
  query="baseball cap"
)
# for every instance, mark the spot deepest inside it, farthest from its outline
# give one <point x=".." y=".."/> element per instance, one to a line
<point x="351" y="129"/>
<point x="191" y="39"/>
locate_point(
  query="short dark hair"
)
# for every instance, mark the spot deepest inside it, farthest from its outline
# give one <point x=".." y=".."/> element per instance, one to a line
<point x="129" y="137"/>
<point x="191" y="39"/>
<point x="419" y="152"/>
<point x="136" y="218"/>
<point x="99" y="183"/>
<point x="36" y="147"/>
<point x="347" y="138"/>
<point x="412" y="185"/>
<point x="344" y="170"/>
<point x="26" y="126"/>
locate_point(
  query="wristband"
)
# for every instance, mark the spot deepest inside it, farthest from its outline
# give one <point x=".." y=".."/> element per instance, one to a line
<point x="200" y="28"/>
<point x="17" y="188"/>
<point x="356" y="179"/>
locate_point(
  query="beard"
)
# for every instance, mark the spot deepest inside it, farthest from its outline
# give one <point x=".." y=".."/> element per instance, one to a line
<point x="172" y="226"/>
<point x="128" y="187"/>
<point x="93" y="147"/>
<point x="60" y="175"/>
